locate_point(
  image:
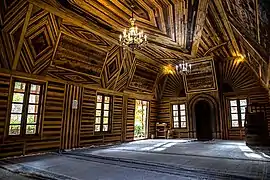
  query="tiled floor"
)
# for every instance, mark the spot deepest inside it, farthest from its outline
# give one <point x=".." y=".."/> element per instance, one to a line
<point x="151" y="159"/>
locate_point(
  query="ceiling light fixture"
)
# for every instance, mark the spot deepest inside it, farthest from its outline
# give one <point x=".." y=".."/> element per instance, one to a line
<point x="132" y="39"/>
<point x="183" y="68"/>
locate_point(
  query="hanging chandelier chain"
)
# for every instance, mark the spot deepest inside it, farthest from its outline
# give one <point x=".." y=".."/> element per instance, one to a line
<point x="132" y="38"/>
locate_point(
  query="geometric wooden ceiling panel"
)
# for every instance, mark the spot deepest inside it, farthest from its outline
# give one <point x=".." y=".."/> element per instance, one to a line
<point x="70" y="76"/>
<point x="239" y="76"/>
<point x="243" y="12"/>
<point x="112" y="67"/>
<point x="123" y="76"/>
<point x="252" y="18"/>
<point x="168" y="23"/>
<point x="39" y="42"/>
<point x="174" y="86"/>
<point x="143" y="77"/>
<point x="85" y="35"/>
<point x="12" y="15"/>
<point x="76" y="56"/>
<point x="9" y="9"/>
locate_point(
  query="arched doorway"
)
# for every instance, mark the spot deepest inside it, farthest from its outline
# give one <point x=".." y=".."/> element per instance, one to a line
<point x="204" y="116"/>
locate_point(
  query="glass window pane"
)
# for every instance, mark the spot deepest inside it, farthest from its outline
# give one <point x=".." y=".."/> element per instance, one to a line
<point x="183" y="118"/>
<point x="183" y="124"/>
<point x="99" y="98"/>
<point x="19" y="87"/>
<point x="175" y="113"/>
<point x="107" y="99"/>
<point x="182" y="107"/>
<point x="176" y="125"/>
<point x="98" y="105"/>
<point x="243" y="102"/>
<point x="235" y="124"/>
<point x="175" y="119"/>
<point x="30" y="129"/>
<point x="233" y="103"/>
<point x="15" y="119"/>
<point x="106" y="113"/>
<point x="18" y="97"/>
<point x="243" y="116"/>
<point x="35" y="88"/>
<point x="16" y="108"/>
<point x="106" y="106"/>
<point x="105" y="120"/>
<point x="97" y="127"/>
<point x="31" y="119"/>
<point x="175" y="107"/>
<point x="97" y="120"/>
<point x="234" y="116"/>
<point x="34" y="99"/>
<point x="243" y="109"/>
<point x="183" y="113"/>
<point x="14" y="129"/>
<point x="98" y="112"/>
<point x="234" y="110"/>
<point x="243" y="123"/>
<point x="105" y="127"/>
<point x="32" y="108"/>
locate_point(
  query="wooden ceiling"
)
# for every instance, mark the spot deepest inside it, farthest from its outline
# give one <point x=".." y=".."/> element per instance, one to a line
<point x="77" y="40"/>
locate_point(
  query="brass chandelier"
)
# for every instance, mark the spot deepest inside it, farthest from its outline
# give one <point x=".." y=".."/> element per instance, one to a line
<point x="183" y="68"/>
<point x="133" y="38"/>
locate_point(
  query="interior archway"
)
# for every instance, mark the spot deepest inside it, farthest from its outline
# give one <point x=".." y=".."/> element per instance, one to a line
<point x="204" y="118"/>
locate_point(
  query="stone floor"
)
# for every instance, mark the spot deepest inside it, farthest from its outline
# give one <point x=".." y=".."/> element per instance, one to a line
<point x="149" y="159"/>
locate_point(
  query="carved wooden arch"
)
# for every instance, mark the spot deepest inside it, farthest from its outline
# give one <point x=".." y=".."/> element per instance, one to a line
<point x="214" y="110"/>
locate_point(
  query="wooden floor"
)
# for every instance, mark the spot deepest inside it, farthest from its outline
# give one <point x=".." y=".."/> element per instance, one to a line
<point x="150" y="159"/>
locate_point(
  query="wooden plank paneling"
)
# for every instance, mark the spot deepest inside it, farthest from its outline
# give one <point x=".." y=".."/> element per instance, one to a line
<point x="4" y="90"/>
<point x="49" y="138"/>
<point x="115" y="136"/>
<point x="260" y="98"/>
<point x="51" y="124"/>
<point x="153" y="117"/>
<point x="164" y="112"/>
<point x="88" y="118"/>
<point x="71" y="118"/>
<point x="130" y="119"/>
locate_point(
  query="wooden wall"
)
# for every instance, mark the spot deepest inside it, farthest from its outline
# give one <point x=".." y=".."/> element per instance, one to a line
<point x="63" y="127"/>
<point x="71" y="118"/>
<point x="252" y="97"/>
<point x="50" y="135"/>
<point x="152" y="117"/>
<point x="130" y="119"/>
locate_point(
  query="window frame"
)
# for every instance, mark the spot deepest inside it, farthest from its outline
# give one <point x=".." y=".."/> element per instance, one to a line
<point x="179" y="115"/>
<point x="25" y="106"/>
<point x="239" y="112"/>
<point x="102" y="114"/>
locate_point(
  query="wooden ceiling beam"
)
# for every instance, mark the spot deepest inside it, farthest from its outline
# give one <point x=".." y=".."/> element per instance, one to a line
<point x="214" y="48"/>
<point x="250" y="46"/>
<point x="20" y="44"/>
<point x="226" y="23"/>
<point x="200" y="22"/>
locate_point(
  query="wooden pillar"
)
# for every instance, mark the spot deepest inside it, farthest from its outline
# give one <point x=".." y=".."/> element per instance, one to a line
<point x="124" y="118"/>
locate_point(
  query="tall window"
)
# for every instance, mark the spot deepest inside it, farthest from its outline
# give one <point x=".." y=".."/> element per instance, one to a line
<point x="179" y="116"/>
<point x="238" y="110"/>
<point x="25" y="111"/>
<point x="103" y="113"/>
